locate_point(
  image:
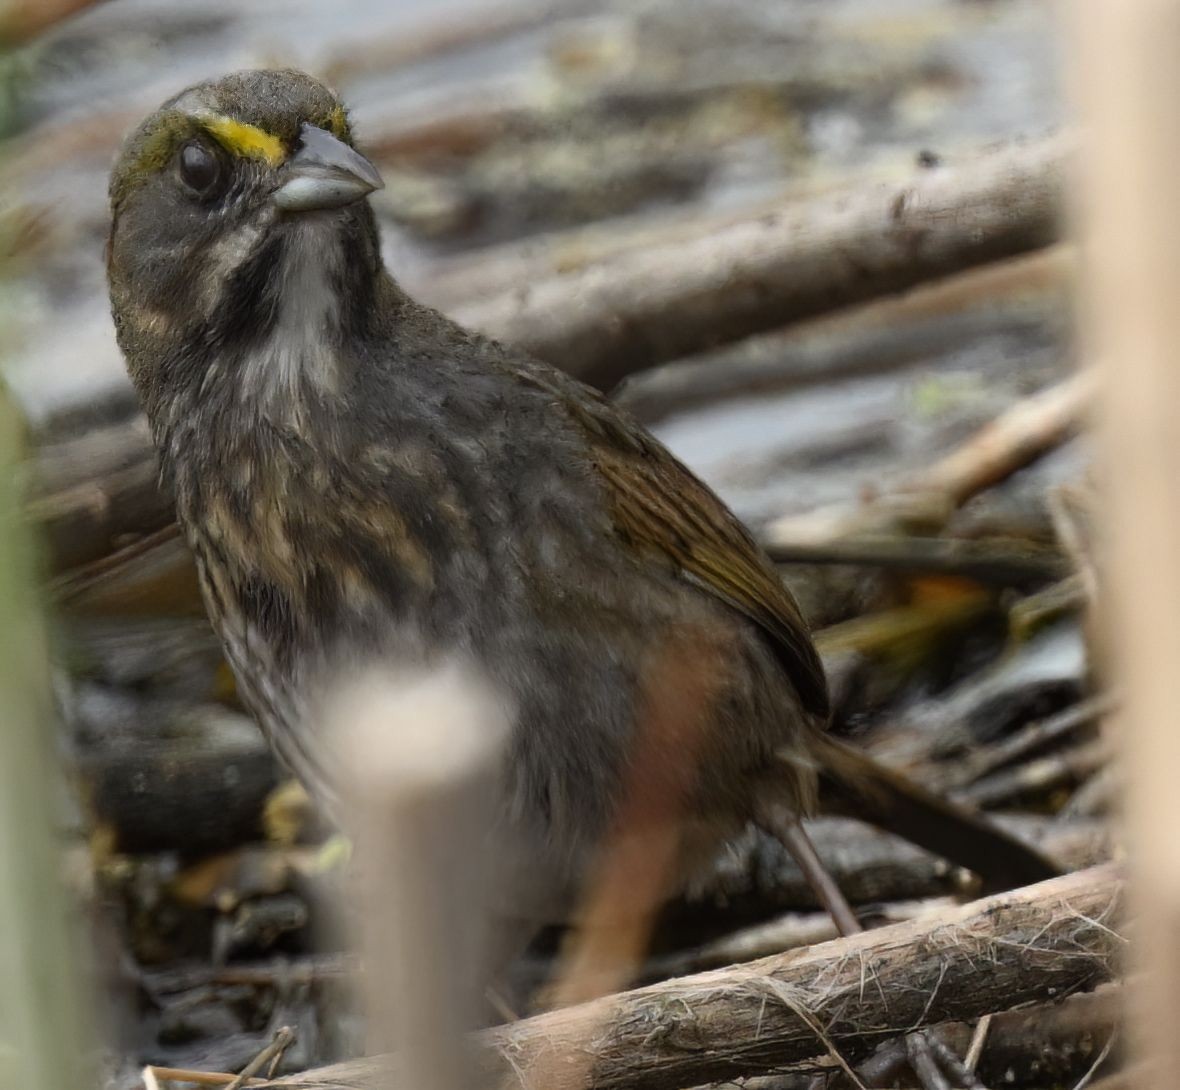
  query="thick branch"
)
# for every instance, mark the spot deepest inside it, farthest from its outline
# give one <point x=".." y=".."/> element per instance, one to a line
<point x="1049" y="939"/>
<point x="605" y="321"/>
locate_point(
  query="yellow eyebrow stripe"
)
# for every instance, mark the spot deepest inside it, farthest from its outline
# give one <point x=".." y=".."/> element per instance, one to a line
<point x="248" y="141"/>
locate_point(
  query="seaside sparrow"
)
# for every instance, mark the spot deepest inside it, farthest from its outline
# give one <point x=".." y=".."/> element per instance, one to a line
<point x="361" y="480"/>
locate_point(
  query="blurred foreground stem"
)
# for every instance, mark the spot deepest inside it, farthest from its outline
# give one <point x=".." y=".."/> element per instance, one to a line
<point x="41" y="1006"/>
<point x="1129" y="86"/>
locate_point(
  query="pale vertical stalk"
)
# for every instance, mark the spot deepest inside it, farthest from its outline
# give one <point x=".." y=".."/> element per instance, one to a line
<point x="422" y="755"/>
<point x="1128" y="79"/>
<point x="42" y="1005"/>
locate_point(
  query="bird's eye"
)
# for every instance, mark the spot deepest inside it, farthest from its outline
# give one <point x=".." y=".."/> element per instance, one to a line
<point x="200" y="168"/>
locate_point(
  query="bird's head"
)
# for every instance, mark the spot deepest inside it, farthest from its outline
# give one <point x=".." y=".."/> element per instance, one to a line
<point x="240" y="237"/>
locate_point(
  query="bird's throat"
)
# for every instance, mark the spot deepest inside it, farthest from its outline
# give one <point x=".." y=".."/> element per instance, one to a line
<point x="297" y="356"/>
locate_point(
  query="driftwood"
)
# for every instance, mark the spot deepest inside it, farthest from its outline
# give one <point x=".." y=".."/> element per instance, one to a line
<point x="606" y="321"/>
<point x="1045" y="940"/>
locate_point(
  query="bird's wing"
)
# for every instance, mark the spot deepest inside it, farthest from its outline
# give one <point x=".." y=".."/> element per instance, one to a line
<point x="661" y="508"/>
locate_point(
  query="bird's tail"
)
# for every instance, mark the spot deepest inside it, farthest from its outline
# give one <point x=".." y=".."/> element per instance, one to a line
<point x="853" y="784"/>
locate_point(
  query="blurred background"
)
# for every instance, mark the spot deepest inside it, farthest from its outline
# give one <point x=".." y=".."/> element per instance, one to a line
<point x="526" y="144"/>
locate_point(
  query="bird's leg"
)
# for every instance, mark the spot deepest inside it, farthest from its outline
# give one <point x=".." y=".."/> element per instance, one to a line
<point x="795" y="839"/>
<point x="926" y="1054"/>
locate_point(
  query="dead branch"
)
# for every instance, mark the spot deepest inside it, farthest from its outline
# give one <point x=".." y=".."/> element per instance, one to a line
<point x="90" y="494"/>
<point x="756" y="873"/>
<point x="1050" y="939"/>
<point x="153" y="576"/>
<point x="200" y="786"/>
<point x="1008" y="443"/>
<point x="785" y="932"/>
<point x="608" y="320"/>
<point x="1072" y="765"/>
<point x="877" y="338"/>
<point x="1098" y="795"/>
<point x="997" y="562"/>
<point x="1043" y="733"/>
<point x="1039" y="735"/>
<point x="1043" y="1044"/>
<point x="882" y="870"/>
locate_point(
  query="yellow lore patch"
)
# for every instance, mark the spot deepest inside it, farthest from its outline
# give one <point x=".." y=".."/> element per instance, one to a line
<point x="247" y="141"/>
<point x="339" y="123"/>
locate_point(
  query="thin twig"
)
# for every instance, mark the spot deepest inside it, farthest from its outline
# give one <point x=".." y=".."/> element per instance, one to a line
<point x="954" y="1065"/>
<point x="922" y="1061"/>
<point x="284" y="1038"/>
<point x="1040" y="734"/>
<point x="1099" y="1060"/>
<point x="1012" y="440"/>
<point x="978" y="1040"/>
<point x="783" y="994"/>
<point x="197" y="1078"/>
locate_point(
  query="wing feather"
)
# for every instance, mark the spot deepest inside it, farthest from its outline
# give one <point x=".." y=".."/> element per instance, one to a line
<point x="665" y="511"/>
<point x="662" y="508"/>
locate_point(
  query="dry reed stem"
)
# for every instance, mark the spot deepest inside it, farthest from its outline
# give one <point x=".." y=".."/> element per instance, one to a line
<point x="422" y="753"/>
<point x="1129" y="85"/>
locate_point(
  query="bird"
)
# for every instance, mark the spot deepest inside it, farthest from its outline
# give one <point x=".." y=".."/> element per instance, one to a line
<point x="359" y="478"/>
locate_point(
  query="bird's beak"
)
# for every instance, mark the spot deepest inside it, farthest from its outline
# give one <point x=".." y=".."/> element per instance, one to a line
<point x="325" y="173"/>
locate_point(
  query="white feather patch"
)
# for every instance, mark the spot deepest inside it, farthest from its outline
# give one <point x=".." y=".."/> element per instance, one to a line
<point x="300" y="344"/>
